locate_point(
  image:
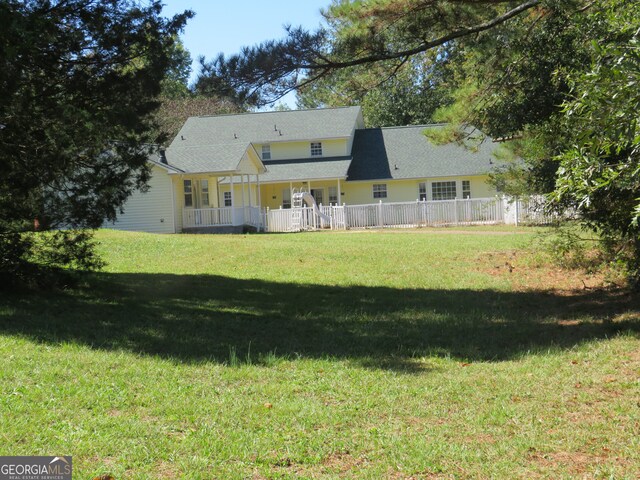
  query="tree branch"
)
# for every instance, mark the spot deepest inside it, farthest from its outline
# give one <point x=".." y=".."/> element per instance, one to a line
<point x="330" y="65"/>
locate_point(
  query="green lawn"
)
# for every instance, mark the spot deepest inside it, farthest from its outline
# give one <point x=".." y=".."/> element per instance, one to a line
<point x="418" y="354"/>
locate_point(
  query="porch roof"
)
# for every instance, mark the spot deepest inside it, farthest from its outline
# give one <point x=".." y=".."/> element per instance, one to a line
<point x="227" y="158"/>
<point x="305" y="169"/>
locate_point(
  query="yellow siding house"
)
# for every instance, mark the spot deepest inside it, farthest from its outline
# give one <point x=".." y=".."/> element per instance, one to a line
<point x="227" y="170"/>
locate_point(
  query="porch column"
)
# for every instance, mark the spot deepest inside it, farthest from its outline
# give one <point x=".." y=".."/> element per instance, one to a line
<point x="249" y="182"/>
<point x="339" y="194"/>
<point x="242" y="189"/>
<point x="233" y="197"/>
<point x="233" y="201"/>
<point x="259" y="193"/>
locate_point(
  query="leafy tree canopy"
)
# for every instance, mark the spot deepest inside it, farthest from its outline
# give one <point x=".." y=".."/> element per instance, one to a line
<point x="358" y="33"/>
<point x="80" y="81"/>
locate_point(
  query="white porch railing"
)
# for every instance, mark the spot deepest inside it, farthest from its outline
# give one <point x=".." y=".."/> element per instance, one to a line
<point x="223" y="217"/>
<point x="389" y="215"/>
<point x="207" y="217"/>
<point x="474" y="211"/>
<point x="422" y="214"/>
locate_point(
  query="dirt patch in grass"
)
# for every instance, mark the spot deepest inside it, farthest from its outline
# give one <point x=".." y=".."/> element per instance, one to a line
<point x="526" y="274"/>
<point x="576" y="463"/>
<point x="341" y="462"/>
<point x="164" y="469"/>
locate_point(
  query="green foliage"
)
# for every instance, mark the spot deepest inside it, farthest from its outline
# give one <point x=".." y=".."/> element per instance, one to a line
<point x="46" y="259"/>
<point x="176" y="82"/>
<point x="599" y="172"/>
<point x="568" y="247"/>
<point x="174" y="111"/>
<point x="80" y="82"/>
<point x="358" y="33"/>
<point x="408" y="95"/>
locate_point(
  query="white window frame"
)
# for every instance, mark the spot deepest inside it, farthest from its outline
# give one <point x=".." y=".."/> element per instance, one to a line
<point x="266" y="151"/>
<point x="379" y="190"/>
<point x="286" y="198"/>
<point x="316" y="149"/>
<point x="226" y="197"/>
<point x="333" y="195"/>
<point x="187" y="187"/>
<point x="204" y="192"/>
<point x="466" y="188"/>
<point x="422" y="191"/>
<point x="447" y="190"/>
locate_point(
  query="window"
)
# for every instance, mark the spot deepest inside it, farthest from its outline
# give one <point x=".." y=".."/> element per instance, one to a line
<point x="227" y="199"/>
<point x="422" y="191"/>
<point x="204" y="190"/>
<point x="379" y="190"/>
<point x="466" y="189"/>
<point x="316" y="149"/>
<point x="317" y="194"/>
<point x="443" y="190"/>
<point x="286" y="198"/>
<point x="266" y="152"/>
<point x="188" y="194"/>
<point x="333" y="195"/>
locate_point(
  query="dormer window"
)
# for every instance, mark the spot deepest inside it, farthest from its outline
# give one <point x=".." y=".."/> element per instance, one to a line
<point x="316" y="149"/>
<point x="266" y="152"/>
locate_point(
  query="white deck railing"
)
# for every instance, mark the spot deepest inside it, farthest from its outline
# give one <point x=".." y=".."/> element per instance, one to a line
<point x="207" y="217"/>
<point x="389" y="215"/>
<point x="422" y="214"/>
<point x="473" y="211"/>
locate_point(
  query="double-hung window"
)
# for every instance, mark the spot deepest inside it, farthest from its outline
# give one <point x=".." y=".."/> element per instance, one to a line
<point x="466" y="189"/>
<point x="188" y="193"/>
<point x="379" y="190"/>
<point x="204" y="191"/>
<point x="422" y="191"/>
<point x="266" y="152"/>
<point x="333" y="195"/>
<point x="286" y="198"/>
<point x="227" y="199"/>
<point x="316" y="149"/>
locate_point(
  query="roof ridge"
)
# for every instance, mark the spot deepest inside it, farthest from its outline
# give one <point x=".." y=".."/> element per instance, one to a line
<point x="426" y="125"/>
<point x="275" y="111"/>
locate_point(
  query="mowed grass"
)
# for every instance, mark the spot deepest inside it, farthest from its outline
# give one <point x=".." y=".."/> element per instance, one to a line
<point x="418" y="354"/>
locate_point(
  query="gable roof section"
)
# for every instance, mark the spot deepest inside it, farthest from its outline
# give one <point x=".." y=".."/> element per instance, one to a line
<point x="226" y="158"/>
<point x="267" y="127"/>
<point x="406" y="153"/>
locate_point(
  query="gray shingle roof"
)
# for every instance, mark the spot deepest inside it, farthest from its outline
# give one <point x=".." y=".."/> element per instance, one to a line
<point x="405" y="152"/>
<point x="305" y="169"/>
<point x="267" y="127"/>
<point x="202" y="159"/>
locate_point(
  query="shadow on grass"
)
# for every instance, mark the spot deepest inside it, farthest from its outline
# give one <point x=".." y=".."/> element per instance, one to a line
<point x="195" y="318"/>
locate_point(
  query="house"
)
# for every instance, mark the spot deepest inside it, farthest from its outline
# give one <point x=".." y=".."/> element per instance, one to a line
<point x="228" y="170"/>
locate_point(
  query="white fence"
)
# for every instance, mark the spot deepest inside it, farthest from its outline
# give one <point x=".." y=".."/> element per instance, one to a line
<point x="475" y="211"/>
<point x="390" y="215"/>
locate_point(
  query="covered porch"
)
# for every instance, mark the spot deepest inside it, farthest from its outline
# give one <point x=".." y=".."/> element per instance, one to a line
<point x="229" y="201"/>
<point x="226" y="199"/>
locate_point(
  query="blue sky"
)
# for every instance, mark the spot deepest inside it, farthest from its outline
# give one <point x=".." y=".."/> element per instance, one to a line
<point x="226" y="26"/>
